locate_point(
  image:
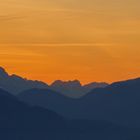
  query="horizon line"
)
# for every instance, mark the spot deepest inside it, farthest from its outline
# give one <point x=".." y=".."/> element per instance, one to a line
<point x="69" y="80"/>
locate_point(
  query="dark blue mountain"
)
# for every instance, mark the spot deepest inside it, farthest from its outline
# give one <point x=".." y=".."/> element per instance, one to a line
<point x="118" y="103"/>
<point x="44" y="98"/>
<point x="19" y="121"/>
<point x="24" y="115"/>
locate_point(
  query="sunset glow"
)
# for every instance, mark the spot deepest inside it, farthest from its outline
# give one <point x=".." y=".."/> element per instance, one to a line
<point x="89" y="40"/>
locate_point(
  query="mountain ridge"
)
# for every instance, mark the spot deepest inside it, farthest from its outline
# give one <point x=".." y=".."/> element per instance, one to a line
<point x="120" y="103"/>
<point x="16" y="84"/>
<point x="75" y="88"/>
<point x="23" y="121"/>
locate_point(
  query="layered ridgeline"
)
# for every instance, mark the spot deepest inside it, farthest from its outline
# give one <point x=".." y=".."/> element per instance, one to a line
<point x="118" y="103"/>
<point x="19" y="121"/>
<point x="74" y="88"/>
<point x="16" y="84"/>
<point x="112" y="112"/>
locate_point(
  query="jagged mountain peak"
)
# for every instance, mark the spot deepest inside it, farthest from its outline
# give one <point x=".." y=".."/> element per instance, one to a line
<point x="16" y="84"/>
<point x="66" y="83"/>
<point x="3" y="73"/>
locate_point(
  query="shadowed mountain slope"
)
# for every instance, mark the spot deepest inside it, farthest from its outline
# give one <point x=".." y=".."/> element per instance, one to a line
<point x="21" y="121"/>
<point x="16" y="114"/>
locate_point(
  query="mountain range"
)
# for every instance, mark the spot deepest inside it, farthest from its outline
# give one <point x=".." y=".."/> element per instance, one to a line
<point x="21" y="121"/>
<point x="33" y="110"/>
<point x="118" y="102"/>
<point x="16" y="84"/>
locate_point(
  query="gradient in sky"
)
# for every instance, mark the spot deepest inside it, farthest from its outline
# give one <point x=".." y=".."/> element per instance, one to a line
<point x="89" y="40"/>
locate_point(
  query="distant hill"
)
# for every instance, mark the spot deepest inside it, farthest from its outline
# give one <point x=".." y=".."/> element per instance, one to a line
<point x="74" y="88"/>
<point x="15" y="84"/>
<point x="118" y="102"/>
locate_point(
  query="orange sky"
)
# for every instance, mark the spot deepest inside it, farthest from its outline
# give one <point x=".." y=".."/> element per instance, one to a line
<point x="89" y="40"/>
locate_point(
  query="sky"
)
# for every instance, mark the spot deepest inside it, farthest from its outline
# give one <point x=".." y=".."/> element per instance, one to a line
<point x="88" y="40"/>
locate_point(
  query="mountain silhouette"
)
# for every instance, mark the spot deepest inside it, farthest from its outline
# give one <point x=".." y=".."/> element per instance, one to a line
<point x="22" y="121"/>
<point x="107" y="113"/>
<point x="118" y="102"/>
<point x="15" y="84"/>
<point x="12" y="108"/>
<point x="74" y="88"/>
